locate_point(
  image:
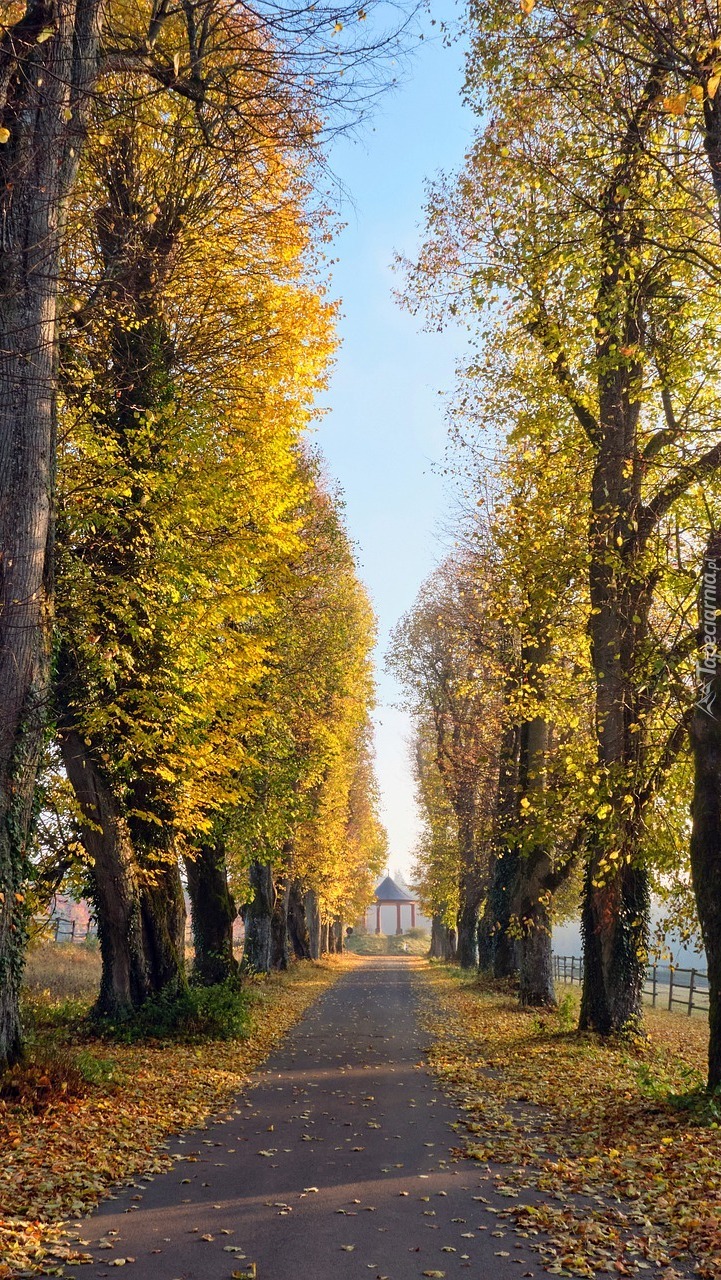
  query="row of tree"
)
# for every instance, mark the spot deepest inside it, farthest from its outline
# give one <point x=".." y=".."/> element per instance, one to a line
<point x="184" y="641"/>
<point x="563" y="664"/>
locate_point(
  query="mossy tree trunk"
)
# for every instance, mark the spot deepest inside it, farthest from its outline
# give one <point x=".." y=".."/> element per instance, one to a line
<point x="43" y="94"/>
<point x="213" y="913"/>
<point x="258" y="917"/>
<point x="162" y="911"/>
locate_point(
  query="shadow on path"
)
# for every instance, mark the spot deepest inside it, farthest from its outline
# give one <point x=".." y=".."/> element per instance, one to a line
<point x="337" y="1163"/>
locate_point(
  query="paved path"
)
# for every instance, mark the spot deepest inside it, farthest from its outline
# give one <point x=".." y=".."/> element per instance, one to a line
<point x="337" y="1164"/>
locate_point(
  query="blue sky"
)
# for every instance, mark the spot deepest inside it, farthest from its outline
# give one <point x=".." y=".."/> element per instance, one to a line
<point x="385" y="433"/>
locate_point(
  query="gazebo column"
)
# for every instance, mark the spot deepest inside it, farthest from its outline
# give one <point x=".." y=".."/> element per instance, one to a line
<point x="399" y="926"/>
<point x="413" y="915"/>
<point x="378" y="917"/>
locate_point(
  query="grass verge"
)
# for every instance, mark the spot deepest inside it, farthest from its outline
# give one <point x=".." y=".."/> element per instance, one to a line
<point x="63" y="1147"/>
<point x="617" y="1137"/>
<point x="381" y="944"/>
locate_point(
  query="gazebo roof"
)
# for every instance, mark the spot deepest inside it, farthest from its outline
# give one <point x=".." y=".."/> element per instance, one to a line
<point x="389" y="891"/>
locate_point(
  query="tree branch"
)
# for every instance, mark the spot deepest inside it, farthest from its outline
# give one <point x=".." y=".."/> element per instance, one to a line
<point x="544" y="331"/>
<point x="692" y="473"/>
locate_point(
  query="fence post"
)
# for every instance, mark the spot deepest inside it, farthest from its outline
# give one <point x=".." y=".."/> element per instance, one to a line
<point x="691" y="983"/>
<point x="653" y="990"/>
<point x="670" y="987"/>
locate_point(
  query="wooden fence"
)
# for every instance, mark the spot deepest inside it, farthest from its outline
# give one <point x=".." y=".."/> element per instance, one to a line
<point x="62" y="929"/>
<point x="667" y="986"/>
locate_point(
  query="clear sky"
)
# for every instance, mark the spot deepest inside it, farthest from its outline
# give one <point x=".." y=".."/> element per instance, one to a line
<point x="385" y="431"/>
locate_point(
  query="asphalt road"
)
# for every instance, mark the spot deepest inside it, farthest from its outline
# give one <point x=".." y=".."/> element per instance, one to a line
<point x="336" y="1163"/>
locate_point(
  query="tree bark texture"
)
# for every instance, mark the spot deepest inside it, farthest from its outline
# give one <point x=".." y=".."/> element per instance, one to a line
<point x="502" y="891"/>
<point x="126" y="980"/>
<point x="471" y="886"/>
<point x="504" y="862"/>
<point x="468" y="934"/>
<point x="162" y="908"/>
<point x="297" y="923"/>
<point x="621" y="588"/>
<point x="706" y="807"/>
<point x="40" y="85"/>
<point x="443" y="941"/>
<point x="312" y="915"/>
<point x="280" y="958"/>
<point x="533" y="896"/>
<point x="258" y="917"/>
<point x="213" y="913"/>
<point x="613" y="927"/>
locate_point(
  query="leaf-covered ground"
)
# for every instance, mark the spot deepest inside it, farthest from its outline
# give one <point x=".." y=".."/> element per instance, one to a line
<point x="62" y="1147"/>
<point x="614" y="1137"/>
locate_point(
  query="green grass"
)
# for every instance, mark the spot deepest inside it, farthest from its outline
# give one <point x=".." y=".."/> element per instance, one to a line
<point x="381" y="944"/>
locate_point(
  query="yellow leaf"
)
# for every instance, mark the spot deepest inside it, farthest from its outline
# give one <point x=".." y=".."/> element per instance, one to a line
<point x="675" y="103"/>
<point x="45" y="34"/>
<point x="4" y="134"/>
<point x="527" y="6"/>
<point x="696" y="92"/>
<point x="712" y="84"/>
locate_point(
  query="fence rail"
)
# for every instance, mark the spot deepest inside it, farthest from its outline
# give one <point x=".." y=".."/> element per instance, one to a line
<point x="63" y="929"/>
<point x="666" y="986"/>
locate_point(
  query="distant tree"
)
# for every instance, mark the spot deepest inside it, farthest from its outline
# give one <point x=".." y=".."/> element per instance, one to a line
<point x="444" y="653"/>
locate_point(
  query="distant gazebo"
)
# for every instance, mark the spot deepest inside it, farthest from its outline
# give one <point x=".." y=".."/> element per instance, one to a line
<point x="389" y="894"/>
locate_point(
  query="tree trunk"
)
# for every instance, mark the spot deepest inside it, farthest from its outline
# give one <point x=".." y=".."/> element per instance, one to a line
<point x="468" y="935"/>
<point x="213" y="913"/>
<point x="503" y="888"/>
<point x="162" y="907"/>
<point x="280" y="958"/>
<point x="44" y="82"/>
<point x="312" y="915"/>
<point x="504" y="951"/>
<point x="324" y="937"/>
<point x="614" y="922"/>
<point x="337" y="930"/>
<point x="450" y="946"/>
<point x="297" y="923"/>
<point x="470" y="887"/>
<point x="116" y="894"/>
<point x="535" y="970"/>
<point x="258" y="917"/>
<point x="532" y="899"/>
<point x="706" y="807"/>
<point x="437" y="931"/>
<point x="486" y="939"/>
<point x="615" y="907"/>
